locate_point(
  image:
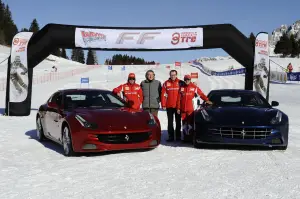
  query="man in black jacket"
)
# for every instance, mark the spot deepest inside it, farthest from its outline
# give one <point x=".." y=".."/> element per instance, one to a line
<point x="151" y="92"/>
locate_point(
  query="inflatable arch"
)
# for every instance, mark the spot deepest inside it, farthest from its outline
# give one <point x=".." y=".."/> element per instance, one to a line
<point x="36" y="47"/>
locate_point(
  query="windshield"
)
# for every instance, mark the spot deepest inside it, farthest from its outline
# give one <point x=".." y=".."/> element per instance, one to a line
<point x="238" y="99"/>
<point x="92" y="99"/>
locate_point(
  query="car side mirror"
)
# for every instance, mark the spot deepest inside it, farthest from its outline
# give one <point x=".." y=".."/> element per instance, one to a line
<point x="274" y="103"/>
<point x="52" y="105"/>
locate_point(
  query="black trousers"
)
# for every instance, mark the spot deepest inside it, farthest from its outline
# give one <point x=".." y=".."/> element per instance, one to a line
<point x="170" y="113"/>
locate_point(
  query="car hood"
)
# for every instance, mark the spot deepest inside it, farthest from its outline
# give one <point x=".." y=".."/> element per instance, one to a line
<point x="241" y="115"/>
<point x="117" y="119"/>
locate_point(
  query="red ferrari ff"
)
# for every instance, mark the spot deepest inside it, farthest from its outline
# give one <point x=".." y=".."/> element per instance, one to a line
<point x="93" y="120"/>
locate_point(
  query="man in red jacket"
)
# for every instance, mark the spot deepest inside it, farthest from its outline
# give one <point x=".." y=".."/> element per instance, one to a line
<point x="185" y="102"/>
<point x="132" y="92"/>
<point x="169" y="95"/>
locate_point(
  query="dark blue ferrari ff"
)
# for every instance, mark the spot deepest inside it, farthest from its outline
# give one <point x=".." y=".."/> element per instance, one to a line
<point x="240" y="117"/>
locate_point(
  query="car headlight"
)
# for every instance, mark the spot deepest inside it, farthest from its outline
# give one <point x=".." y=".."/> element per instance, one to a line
<point x="84" y="123"/>
<point x="277" y="118"/>
<point x="205" y="115"/>
<point x="152" y="121"/>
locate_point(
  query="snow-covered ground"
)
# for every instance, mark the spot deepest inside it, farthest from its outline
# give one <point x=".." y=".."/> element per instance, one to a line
<point x="30" y="169"/>
<point x="44" y="67"/>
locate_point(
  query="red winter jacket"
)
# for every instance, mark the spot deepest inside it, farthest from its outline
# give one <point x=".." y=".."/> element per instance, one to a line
<point x="169" y="93"/>
<point x="132" y="93"/>
<point x="186" y="95"/>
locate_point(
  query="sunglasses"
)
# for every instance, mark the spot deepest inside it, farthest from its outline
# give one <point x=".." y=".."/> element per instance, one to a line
<point x="131" y="78"/>
<point x="187" y="79"/>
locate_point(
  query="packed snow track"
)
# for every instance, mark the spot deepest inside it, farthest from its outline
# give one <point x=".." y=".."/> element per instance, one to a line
<point x="30" y="169"/>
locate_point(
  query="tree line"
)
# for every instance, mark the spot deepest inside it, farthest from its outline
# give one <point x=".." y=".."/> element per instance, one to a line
<point x="288" y="46"/>
<point x="120" y="59"/>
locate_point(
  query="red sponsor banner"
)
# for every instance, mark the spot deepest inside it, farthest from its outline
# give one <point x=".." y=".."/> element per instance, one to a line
<point x="194" y="75"/>
<point x="177" y="63"/>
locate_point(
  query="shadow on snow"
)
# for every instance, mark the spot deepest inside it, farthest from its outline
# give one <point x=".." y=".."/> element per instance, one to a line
<point x="164" y="137"/>
<point x="2" y="110"/>
<point x="59" y="149"/>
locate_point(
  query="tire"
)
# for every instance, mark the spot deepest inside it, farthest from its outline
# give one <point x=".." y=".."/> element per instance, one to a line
<point x="196" y="145"/>
<point x="40" y="130"/>
<point x="67" y="142"/>
<point x="282" y="148"/>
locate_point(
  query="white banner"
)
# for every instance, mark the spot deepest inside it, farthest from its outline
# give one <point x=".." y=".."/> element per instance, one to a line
<point x="139" y="39"/>
<point x="18" y="68"/>
<point x="261" y="64"/>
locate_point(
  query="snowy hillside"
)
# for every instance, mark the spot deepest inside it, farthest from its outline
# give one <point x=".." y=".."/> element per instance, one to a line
<point x="30" y="169"/>
<point x="44" y="67"/>
<point x="223" y="63"/>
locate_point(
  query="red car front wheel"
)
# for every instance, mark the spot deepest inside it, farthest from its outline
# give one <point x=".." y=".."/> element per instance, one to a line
<point x="67" y="142"/>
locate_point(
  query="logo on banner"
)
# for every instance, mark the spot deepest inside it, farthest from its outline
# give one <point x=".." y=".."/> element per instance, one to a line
<point x="141" y="36"/>
<point x="261" y="44"/>
<point x="184" y="37"/>
<point x="90" y="36"/>
<point x="20" y="42"/>
<point x="293" y="77"/>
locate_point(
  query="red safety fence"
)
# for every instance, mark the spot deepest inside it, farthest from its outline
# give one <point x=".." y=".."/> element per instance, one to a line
<point x="52" y="76"/>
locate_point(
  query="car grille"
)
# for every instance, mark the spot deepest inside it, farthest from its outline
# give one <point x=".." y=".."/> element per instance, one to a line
<point x="241" y="133"/>
<point x="128" y="138"/>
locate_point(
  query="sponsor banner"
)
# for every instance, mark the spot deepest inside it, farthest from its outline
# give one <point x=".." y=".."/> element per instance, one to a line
<point x="139" y="39"/>
<point x="209" y="72"/>
<point x="261" y="64"/>
<point x="230" y="72"/>
<point x="293" y="76"/>
<point x="18" y="68"/>
<point x="178" y="64"/>
<point x="194" y="75"/>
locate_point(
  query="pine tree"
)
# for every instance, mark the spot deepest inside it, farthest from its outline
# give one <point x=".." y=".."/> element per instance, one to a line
<point x="95" y="57"/>
<point x="24" y="30"/>
<point x="81" y="57"/>
<point x="2" y="7"/>
<point x="90" y="58"/>
<point x="298" y="48"/>
<point x="2" y="36"/>
<point x="34" y="27"/>
<point x="8" y="26"/>
<point x="284" y="46"/>
<point x="294" y="49"/>
<point x="252" y="39"/>
<point x="74" y="56"/>
<point x="64" y="53"/>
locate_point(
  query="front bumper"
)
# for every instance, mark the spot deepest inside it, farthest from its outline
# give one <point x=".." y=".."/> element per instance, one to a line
<point x="242" y="135"/>
<point x="115" y="141"/>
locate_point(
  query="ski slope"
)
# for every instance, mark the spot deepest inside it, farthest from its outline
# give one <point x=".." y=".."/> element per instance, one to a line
<point x="30" y="169"/>
<point x="223" y="63"/>
<point x="44" y="67"/>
